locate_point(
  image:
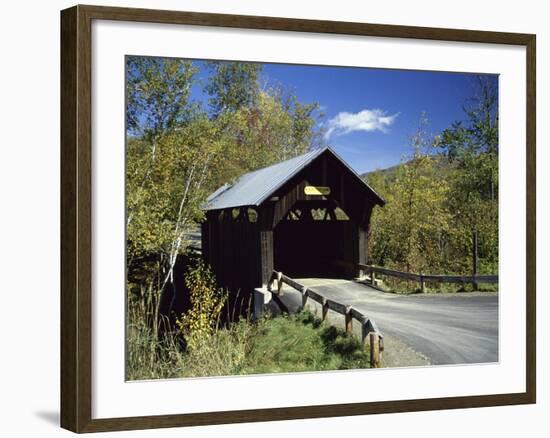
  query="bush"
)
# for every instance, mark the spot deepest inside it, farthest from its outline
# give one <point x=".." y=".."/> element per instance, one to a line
<point x="200" y="321"/>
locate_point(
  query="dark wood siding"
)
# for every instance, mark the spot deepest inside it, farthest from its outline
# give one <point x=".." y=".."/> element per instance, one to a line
<point x="231" y="246"/>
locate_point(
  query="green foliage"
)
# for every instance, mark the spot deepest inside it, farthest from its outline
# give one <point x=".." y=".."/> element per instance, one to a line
<point x="164" y="190"/>
<point x="271" y="345"/>
<point x="270" y="131"/>
<point x="157" y="91"/>
<point x="301" y="343"/>
<point x="177" y="154"/>
<point x="207" y="301"/>
<point x="232" y="86"/>
<point x="440" y="194"/>
<point x="149" y="355"/>
<point x="472" y="149"/>
<point x="409" y="231"/>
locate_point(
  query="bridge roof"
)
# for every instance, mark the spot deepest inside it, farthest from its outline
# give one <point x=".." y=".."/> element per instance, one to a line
<point x="253" y="188"/>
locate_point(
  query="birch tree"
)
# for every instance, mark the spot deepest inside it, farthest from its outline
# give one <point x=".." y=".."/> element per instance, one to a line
<point x="157" y="96"/>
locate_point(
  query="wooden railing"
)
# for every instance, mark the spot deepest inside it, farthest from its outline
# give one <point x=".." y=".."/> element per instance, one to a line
<point x="369" y="331"/>
<point x="423" y="278"/>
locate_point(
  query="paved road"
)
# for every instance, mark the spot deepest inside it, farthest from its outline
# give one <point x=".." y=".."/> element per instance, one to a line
<point x="446" y="328"/>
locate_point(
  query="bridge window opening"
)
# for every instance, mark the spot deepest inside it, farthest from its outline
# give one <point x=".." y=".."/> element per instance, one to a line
<point x="319" y="214"/>
<point x="340" y="214"/>
<point x="293" y="215"/>
<point x="252" y="215"/>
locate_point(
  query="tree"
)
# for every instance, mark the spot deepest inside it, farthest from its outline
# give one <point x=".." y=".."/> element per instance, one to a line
<point x="178" y="153"/>
<point x="168" y="204"/>
<point x="472" y="148"/>
<point x="276" y="128"/>
<point x="473" y="144"/>
<point x="232" y="86"/>
<point x="157" y="91"/>
<point x="443" y="191"/>
<point x="408" y="231"/>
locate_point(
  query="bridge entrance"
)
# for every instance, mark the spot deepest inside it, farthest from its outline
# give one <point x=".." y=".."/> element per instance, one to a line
<point x="316" y="239"/>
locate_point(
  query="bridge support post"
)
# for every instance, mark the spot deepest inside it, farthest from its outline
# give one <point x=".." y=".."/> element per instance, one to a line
<point x="261" y="298"/>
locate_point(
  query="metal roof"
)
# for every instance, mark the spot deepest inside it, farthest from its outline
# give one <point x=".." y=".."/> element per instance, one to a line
<point x="253" y="188"/>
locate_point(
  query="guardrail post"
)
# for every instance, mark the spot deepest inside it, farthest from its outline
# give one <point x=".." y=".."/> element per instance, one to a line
<point x="372" y="279"/>
<point x="364" y="332"/>
<point x="279" y="283"/>
<point x="374" y="350"/>
<point x="325" y="309"/>
<point x="304" y="297"/>
<point x="422" y="284"/>
<point x="271" y="281"/>
<point x="349" y="321"/>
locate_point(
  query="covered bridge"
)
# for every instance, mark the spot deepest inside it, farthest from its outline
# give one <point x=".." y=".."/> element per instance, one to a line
<point x="307" y="217"/>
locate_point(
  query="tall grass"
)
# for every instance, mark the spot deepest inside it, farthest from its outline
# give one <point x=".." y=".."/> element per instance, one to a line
<point x="271" y="345"/>
<point x="199" y="344"/>
<point x="152" y="350"/>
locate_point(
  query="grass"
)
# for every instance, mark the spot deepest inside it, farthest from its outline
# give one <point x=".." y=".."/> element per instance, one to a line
<point x="283" y="344"/>
<point x="400" y="286"/>
<point x="301" y="343"/>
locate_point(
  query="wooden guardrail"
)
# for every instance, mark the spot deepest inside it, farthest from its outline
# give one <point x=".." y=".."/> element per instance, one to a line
<point x="369" y="331"/>
<point x="423" y="278"/>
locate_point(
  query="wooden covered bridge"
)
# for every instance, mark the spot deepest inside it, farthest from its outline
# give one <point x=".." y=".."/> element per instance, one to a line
<point x="307" y="216"/>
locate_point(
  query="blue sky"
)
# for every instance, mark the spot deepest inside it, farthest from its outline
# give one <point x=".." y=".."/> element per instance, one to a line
<point x="370" y="113"/>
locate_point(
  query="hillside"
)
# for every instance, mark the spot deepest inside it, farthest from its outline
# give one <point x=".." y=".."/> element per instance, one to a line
<point x="390" y="173"/>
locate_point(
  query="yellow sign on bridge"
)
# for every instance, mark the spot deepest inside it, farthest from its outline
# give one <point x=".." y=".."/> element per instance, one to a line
<point x="316" y="190"/>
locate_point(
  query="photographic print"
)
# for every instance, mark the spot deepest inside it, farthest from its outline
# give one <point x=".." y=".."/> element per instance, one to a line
<point x="286" y="218"/>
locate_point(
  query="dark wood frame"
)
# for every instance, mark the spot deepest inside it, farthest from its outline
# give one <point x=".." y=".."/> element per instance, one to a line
<point x="76" y="238"/>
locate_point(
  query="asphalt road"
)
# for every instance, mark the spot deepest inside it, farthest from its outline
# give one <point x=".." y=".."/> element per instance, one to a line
<point x="446" y="328"/>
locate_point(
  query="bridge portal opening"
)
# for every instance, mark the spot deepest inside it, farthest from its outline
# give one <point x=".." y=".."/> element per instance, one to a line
<point x="316" y="238"/>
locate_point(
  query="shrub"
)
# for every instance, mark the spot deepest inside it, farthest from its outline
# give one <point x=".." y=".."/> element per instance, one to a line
<point x="200" y="321"/>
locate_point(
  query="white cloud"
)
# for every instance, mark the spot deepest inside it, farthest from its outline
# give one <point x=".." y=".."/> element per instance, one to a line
<point x="365" y="120"/>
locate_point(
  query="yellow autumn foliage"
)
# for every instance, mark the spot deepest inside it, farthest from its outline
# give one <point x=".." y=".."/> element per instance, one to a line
<point x="200" y="321"/>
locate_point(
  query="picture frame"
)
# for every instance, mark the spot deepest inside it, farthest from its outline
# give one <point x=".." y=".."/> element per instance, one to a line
<point x="77" y="168"/>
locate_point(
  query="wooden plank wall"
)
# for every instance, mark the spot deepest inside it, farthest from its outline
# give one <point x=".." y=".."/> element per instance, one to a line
<point x="347" y="191"/>
<point x="233" y="248"/>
